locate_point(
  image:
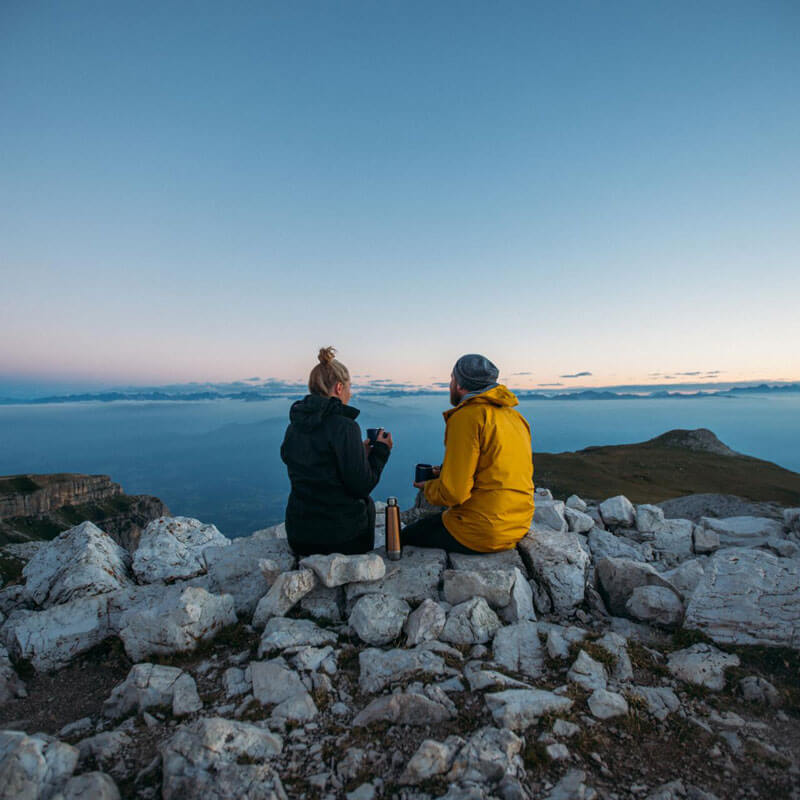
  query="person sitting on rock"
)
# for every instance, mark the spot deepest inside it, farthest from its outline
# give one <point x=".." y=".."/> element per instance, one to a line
<point x="331" y="470"/>
<point x="486" y="479"/>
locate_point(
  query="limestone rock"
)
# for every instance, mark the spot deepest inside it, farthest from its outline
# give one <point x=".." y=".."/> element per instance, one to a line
<point x="480" y="678"/>
<point x="685" y="577"/>
<point x="289" y="588"/>
<point x="705" y="540"/>
<point x="517" y="648"/>
<point x="431" y="758"/>
<point x="618" y="512"/>
<point x="425" y="623"/>
<point x="748" y="597"/>
<point x="578" y="521"/>
<point x="11" y="685"/>
<point x="605" y="705"/>
<point x="282" y="632"/>
<point x="478" y="562"/>
<point x="236" y="682"/>
<point x="791" y="519"/>
<point x="80" y="562"/>
<point x="588" y="673"/>
<point x="617" y="646"/>
<point x="755" y="689"/>
<point x="381" y="668"/>
<point x="493" y="585"/>
<point x="274" y="683"/>
<point x="558" y="564"/>
<point x="324" y="603"/>
<point x="177" y="621"/>
<point x="655" y="605"/>
<point x="218" y="759"/>
<point x="520" y="607"/>
<point x="618" y="577"/>
<point x="649" y="518"/>
<point x="150" y="686"/>
<point x="674" y="538"/>
<point x="378" y="618"/>
<point x="337" y="569"/>
<point x="172" y="548"/>
<point x="550" y="514"/>
<point x="489" y="754"/>
<point x="105" y="749"/>
<point x="471" y="622"/>
<point x="404" y="708"/>
<point x="33" y="766"/>
<point x="604" y="544"/>
<point x="572" y="787"/>
<point x="743" y="531"/>
<point x="701" y="664"/>
<point x="661" y="700"/>
<point x="89" y="786"/>
<point x="518" y="709"/>
<point x="576" y="503"/>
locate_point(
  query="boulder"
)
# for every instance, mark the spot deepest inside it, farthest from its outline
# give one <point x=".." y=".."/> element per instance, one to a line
<point x="661" y="700"/>
<point x="649" y="518"/>
<point x="518" y="709"/>
<point x="617" y="646"/>
<point x="218" y="759"/>
<point x="576" y="503"/>
<point x="378" y="619"/>
<point x="90" y="786"/>
<point x="425" y="623"/>
<point x="105" y="750"/>
<point x="685" y="577"/>
<point x="80" y="562"/>
<point x="287" y="590"/>
<point x="337" y="569"/>
<point x="705" y="540"/>
<point x="413" y="578"/>
<point x="674" y="538"/>
<point x="381" y="668"/>
<point x="480" y="678"/>
<point x="471" y="622"/>
<point x="404" y="708"/>
<point x="578" y="521"/>
<point x="488" y="755"/>
<point x="618" y="512"/>
<point x="324" y="603"/>
<point x="655" y="605"/>
<point x="541" y="495"/>
<point x="618" y="577"/>
<point x="11" y="685"/>
<point x="176" y="620"/>
<point x="550" y="514"/>
<point x="558" y="565"/>
<point x="755" y="689"/>
<point x="748" y="597"/>
<point x="605" y="705"/>
<point x="431" y="758"/>
<point x="151" y="686"/>
<point x="743" y="531"/>
<point x="171" y="548"/>
<point x="588" y="673"/>
<point x="791" y="519"/>
<point x="604" y="544"/>
<point x="520" y="607"/>
<point x="282" y="632"/>
<point x="518" y="649"/>
<point x="701" y="664"/>
<point x="493" y="585"/>
<point x="33" y="766"/>
<point x="478" y="562"/>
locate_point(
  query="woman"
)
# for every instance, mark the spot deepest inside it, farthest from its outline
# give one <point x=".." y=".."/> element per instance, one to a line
<point x="332" y="471"/>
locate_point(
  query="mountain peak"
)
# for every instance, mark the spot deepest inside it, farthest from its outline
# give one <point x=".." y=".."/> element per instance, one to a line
<point x="700" y="440"/>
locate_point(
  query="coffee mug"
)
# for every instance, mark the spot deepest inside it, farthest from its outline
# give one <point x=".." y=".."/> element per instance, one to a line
<point x="424" y="472"/>
<point x="373" y="433"/>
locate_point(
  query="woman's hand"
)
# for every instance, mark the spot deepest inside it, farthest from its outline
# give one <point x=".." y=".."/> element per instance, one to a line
<point x="385" y="438"/>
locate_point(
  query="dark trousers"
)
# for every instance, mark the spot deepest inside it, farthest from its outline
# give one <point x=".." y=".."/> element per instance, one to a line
<point x="363" y="542"/>
<point x="431" y="532"/>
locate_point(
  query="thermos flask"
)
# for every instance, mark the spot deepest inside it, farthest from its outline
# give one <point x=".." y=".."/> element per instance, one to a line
<point x="393" y="549"/>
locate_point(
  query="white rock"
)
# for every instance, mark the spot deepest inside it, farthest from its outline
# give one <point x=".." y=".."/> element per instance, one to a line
<point x="675" y="537"/>
<point x="578" y="521"/>
<point x="701" y="664"/>
<point x="755" y="689"/>
<point x="488" y="755"/>
<point x="520" y="607"/>
<point x="743" y="531"/>
<point x="557" y="751"/>
<point x="172" y="548"/>
<point x="381" y="668"/>
<point x="605" y="705"/>
<point x="404" y="708"/>
<point x="518" y="709"/>
<point x="324" y="603"/>
<point x="576" y="503"/>
<point x="11" y="685"/>
<point x="378" y="619"/>
<point x="493" y="585"/>
<point x="618" y="577"/>
<point x="557" y="645"/>
<point x="105" y="749"/>
<point x="558" y="564"/>
<point x="685" y="577"/>
<point x="618" y="512"/>
<point x="310" y="659"/>
<point x="550" y="514"/>
<point x="218" y="759"/>
<point x="471" y="622"/>
<point x="588" y="673"/>
<point x="562" y="727"/>
<point x="480" y="678"/>
<point x="33" y="766"/>
<point x="281" y="633"/>
<point x="572" y="787"/>
<point x="176" y="622"/>
<point x="705" y="540"/>
<point x="655" y="605"/>
<point x="425" y="623"/>
<point x="337" y="569"/>
<point x="649" y="518"/>
<point x="791" y="519"/>
<point x="288" y="589"/>
<point x="517" y="648"/>
<point x="540" y="494"/>
<point x="275" y="684"/>
<point x="89" y="786"/>
<point x="153" y="685"/>
<point x="604" y="544"/>
<point x="748" y="597"/>
<point x="477" y="562"/>
<point x="80" y="562"/>
<point x="236" y="682"/>
<point x="431" y="758"/>
<point x="661" y="700"/>
<point x="617" y="646"/>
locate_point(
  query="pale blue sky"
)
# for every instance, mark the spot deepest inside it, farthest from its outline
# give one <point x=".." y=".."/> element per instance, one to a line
<point x="209" y="191"/>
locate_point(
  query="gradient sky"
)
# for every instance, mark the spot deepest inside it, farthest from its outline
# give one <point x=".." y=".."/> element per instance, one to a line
<point x="210" y="191"/>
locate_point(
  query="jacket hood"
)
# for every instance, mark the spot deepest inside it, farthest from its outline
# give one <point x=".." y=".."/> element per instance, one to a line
<point x="496" y="396"/>
<point x="310" y="412"/>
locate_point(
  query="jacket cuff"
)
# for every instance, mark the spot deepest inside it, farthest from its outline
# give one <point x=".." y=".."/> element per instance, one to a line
<point x="380" y="451"/>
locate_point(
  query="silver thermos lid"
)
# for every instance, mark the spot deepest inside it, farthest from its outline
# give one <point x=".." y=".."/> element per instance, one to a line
<point x="391" y="501"/>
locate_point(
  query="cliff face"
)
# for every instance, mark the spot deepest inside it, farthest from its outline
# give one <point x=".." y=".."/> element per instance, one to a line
<point x="35" y="507"/>
<point x="31" y="495"/>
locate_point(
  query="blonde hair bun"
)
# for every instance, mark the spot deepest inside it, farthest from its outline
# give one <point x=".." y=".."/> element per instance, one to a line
<point x="326" y="355"/>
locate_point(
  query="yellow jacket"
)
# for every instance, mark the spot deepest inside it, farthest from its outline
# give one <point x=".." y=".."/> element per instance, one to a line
<point x="487" y="475"/>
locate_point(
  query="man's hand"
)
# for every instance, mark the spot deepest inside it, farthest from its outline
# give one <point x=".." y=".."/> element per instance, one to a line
<point x="419" y="484"/>
<point x="436" y="472"/>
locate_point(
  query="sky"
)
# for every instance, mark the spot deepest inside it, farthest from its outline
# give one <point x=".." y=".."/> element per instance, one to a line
<point x="588" y="193"/>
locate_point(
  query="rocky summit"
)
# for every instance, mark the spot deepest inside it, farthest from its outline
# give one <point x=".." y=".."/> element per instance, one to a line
<point x="615" y="653"/>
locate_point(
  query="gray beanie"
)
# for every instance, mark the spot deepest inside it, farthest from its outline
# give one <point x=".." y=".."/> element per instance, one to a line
<point x="474" y="372"/>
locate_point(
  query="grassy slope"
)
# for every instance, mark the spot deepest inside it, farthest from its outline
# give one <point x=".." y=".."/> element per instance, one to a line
<point x="651" y="472"/>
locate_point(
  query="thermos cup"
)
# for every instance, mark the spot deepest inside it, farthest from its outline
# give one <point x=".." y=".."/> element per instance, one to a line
<point x="373" y="433"/>
<point x="423" y="472"/>
<point x="393" y="548"/>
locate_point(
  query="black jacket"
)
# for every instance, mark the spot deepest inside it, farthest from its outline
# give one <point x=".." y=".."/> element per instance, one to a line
<point x="331" y="475"/>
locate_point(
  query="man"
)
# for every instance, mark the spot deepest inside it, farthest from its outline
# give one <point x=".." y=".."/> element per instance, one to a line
<point x="486" y="479"/>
